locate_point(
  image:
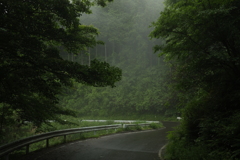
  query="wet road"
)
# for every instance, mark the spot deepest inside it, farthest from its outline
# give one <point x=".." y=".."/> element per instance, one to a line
<point x="143" y="145"/>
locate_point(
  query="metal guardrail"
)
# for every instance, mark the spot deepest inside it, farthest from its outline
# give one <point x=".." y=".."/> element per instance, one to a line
<point x="133" y="125"/>
<point x="120" y="121"/>
<point x="6" y="149"/>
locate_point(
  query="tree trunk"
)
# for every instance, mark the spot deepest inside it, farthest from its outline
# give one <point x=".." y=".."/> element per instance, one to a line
<point x="113" y="54"/>
<point x="105" y="53"/>
<point x="89" y="58"/>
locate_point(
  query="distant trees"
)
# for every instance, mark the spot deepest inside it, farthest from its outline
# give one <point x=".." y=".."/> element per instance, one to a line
<point x="144" y="88"/>
<point x="32" y="34"/>
<point x="202" y="38"/>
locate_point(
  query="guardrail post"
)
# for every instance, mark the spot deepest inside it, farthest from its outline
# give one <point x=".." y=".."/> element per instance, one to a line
<point x="47" y="143"/>
<point x="65" y="138"/>
<point x="47" y="136"/>
<point x="27" y="149"/>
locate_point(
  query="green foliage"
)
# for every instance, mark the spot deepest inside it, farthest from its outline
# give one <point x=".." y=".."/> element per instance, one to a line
<point x="144" y="88"/>
<point x="138" y="128"/>
<point x="33" y="33"/>
<point x="156" y="125"/>
<point x="179" y="150"/>
<point x="202" y="39"/>
<point x="20" y="154"/>
<point x="134" y="128"/>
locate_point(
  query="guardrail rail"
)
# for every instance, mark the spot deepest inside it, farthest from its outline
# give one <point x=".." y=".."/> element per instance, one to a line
<point x="6" y="149"/>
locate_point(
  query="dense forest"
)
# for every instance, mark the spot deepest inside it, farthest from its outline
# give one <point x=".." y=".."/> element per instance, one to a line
<point x="58" y="57"/>
<point x="32" y="36"/>
<point x="202" y="39"/>
<point x="124" y="28"/>
<point x="125" y="58"/>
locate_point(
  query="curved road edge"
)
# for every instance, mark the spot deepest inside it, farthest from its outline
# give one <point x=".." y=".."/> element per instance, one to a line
<point x="160" y="153"/>
<point x="168" y="126"/>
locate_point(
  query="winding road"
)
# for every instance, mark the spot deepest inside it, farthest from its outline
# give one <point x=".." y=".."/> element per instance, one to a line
<point x="143" y="145"/>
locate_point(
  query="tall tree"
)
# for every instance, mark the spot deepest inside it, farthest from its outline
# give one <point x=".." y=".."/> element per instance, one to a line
<point x="32" y="33"/>
<point x="202" y="37"/>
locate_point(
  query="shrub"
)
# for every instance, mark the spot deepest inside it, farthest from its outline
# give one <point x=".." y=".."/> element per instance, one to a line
<point x="179" y="149"/>
<point x="155" y="125"/>
<point x="138" y="128"/>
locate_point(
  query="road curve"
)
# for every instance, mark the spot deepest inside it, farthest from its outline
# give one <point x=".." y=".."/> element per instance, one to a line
<point x="142" y="145"/>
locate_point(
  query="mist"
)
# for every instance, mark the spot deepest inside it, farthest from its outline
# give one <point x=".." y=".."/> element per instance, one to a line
<point x="124" y="27"/>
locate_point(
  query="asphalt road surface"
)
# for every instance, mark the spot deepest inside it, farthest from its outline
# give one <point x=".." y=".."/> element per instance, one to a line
<point x="143" y="145"/>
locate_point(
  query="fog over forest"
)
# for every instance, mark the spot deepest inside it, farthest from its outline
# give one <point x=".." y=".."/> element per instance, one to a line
<point x="124" y="27"/>
<point x="62" y="61"/>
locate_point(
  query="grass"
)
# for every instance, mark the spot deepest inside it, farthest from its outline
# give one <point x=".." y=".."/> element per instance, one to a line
<point x="27" y="130"/>
<point x="59" y="140"/>
<point x="78" y="136"/>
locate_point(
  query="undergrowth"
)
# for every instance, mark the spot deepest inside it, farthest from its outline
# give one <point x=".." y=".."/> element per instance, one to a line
<point x="79" y="136"/>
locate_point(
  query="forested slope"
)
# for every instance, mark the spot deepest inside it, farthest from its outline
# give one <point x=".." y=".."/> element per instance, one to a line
<point x="144" y="88"/>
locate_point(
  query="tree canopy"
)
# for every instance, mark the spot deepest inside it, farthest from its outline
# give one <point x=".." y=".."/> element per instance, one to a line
<point x="32" y="35"/>
<point x="202" y="39"/>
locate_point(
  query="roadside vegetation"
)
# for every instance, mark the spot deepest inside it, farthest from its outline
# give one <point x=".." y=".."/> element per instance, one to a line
<point x="67" y="71"/>
<point x="67" y="60"/>
<point x="202" y="44"/>
<point x="81" y="136"/>
<point x="28" y="129"/>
